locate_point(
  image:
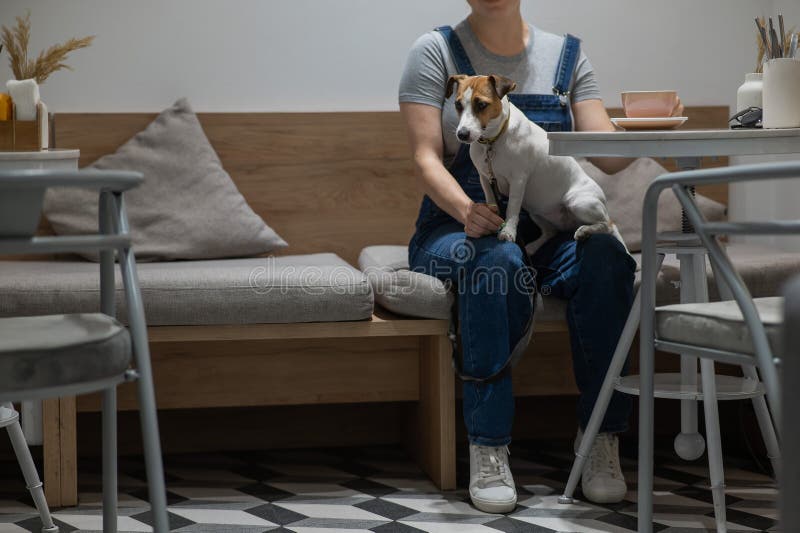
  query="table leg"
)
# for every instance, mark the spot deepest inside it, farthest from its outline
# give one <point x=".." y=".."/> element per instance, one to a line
<point x="689" y="444"/>
<point x="31" y="420"/>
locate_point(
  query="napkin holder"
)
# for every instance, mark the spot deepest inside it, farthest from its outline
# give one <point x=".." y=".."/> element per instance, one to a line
<point x="25" y="135"/>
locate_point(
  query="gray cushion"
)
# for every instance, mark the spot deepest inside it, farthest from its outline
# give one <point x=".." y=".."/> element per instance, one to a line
<point x="625" y="195"/>
<point x="719" y="325"/>
<point x="764" y="270"/>
<point x="187" y="207"/>
<point x="48" y="351"/>
<point x="302" y="288"/>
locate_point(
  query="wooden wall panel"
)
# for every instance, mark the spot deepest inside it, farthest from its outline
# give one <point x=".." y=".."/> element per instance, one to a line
<point x="324" y="181"/>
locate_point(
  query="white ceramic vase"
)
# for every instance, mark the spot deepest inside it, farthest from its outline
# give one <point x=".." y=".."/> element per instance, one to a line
<point x="751" y="91"/>
<point x="25" y="94"/>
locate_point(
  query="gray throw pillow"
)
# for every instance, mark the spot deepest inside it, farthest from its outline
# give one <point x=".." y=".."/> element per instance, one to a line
<point x="187" y="208"/>
<point x="625" y="194"/>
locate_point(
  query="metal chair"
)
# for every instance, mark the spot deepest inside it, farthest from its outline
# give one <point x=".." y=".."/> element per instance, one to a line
<point x="739" y="330"/>
<point x="62" y="355"/>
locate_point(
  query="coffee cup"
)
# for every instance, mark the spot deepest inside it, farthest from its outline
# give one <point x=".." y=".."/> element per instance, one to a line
<point x="649" y="104"/>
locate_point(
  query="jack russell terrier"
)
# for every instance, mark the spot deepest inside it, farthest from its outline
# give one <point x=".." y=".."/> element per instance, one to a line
<point x="512" y="152"/>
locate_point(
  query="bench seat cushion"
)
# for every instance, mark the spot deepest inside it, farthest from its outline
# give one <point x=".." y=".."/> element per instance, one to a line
<point x="763" y="268"/>
<point x="300" y="288"/>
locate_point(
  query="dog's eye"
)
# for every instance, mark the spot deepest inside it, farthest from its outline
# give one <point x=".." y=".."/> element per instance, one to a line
<point x="459" y="106"/>
<point x="481" y="105"/>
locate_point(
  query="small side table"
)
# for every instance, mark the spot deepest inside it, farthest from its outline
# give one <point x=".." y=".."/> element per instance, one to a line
<point x="686" y="147"/>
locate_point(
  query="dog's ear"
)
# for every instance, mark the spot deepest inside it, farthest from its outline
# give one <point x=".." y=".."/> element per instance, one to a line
<point x="453" y="80"/>
<point x="502" y="86"/>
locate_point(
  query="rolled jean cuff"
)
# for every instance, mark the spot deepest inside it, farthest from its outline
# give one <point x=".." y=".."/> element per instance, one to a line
<point x="484" y="441"/>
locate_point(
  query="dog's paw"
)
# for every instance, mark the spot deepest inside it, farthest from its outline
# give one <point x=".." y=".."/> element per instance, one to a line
<point x="507" y="234"/>
<point x="582" y="233"/>
<point x="590" y="229"/>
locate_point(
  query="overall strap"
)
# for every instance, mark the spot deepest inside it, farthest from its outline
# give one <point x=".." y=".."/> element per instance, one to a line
<point x="460" y="57"/>
<point x="570" y="53"/>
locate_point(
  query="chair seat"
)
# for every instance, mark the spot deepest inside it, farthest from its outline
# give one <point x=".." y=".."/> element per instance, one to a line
<point x="719" y="325"/>
<point x="39" y="352"/>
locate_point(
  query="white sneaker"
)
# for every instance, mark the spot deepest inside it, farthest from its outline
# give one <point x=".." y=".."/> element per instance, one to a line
<point x="491" y="486"/>
<point x="602" y="480"/>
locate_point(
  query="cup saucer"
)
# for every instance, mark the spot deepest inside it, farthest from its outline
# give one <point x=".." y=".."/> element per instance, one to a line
<point x="652" y="123"/>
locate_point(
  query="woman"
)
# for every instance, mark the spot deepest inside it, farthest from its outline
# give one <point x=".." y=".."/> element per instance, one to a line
<point x="455" y="238"/>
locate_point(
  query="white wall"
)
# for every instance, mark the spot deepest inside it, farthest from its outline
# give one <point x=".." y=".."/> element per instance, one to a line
<point x="324" y="55"/>
<point x="265" y="55"/>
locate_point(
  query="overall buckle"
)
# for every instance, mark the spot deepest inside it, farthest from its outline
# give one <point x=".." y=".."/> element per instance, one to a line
<point x="563" y="97"/>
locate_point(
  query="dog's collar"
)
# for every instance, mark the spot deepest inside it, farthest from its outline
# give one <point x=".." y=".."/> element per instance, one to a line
<point x="502" y="130"/>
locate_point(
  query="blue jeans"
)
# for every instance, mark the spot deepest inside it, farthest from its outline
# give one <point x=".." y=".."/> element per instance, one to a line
<point x="595" y="276"/>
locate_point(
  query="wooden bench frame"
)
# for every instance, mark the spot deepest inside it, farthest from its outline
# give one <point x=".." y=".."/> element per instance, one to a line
<point x="428" y="380"/>
<point x="353" y="171"/>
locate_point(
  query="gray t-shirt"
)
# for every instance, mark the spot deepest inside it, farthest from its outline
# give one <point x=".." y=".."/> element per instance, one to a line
<point x="430" y="63"/>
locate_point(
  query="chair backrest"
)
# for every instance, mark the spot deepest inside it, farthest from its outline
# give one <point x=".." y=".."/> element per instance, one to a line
<point x="729" y="282"/>
<point x="21" y="196"/>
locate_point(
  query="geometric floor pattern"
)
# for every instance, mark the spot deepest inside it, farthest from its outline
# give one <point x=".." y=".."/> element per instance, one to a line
<point x="380" y="489"/>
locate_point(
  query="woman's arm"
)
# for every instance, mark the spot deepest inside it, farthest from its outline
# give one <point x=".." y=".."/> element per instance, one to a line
<point x="424" y="127"/>
<point x="591" y="115"/>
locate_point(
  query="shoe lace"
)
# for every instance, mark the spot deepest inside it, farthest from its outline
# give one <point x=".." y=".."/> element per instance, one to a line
<point x="493" y="465"/>
<point x="604" y="456"/>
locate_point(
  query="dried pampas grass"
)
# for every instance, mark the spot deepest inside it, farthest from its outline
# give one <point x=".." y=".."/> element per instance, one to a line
<point x="16" y="41"/>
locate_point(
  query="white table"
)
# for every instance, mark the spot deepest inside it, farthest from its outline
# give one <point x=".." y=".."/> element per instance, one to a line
<point x="56" y="159"/>
<point x="687" y="147"/>
<point x="683" y="145"/>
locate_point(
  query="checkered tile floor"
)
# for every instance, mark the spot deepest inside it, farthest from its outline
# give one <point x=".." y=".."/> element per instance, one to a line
<point x="381" y="490"/>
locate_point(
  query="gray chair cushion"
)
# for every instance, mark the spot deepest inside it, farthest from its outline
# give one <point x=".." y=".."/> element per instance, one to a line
<point x="48" y="351"/>
<point x="764" y="270"/>
<point x="719" y="325"/>
<point x="187" y="208"/>
<point x="301" y="288"/>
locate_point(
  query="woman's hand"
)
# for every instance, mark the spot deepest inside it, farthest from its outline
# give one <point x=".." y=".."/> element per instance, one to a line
<point x="677" y="111"/>
<point x="481" y="220"/>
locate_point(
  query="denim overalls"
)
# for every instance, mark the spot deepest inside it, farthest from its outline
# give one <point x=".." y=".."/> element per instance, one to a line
<point x="494" y="308"/>
<point x="550" y="111"/>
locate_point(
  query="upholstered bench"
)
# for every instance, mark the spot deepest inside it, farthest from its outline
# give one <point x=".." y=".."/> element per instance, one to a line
<point x="285" y="330"/>
<point x="221" y="337"/>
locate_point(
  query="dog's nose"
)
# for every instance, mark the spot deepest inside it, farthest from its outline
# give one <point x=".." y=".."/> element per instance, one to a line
<point x="463" y="134"/>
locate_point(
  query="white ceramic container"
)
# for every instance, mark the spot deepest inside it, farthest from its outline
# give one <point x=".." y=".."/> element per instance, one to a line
<point x="782" y="93"/>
